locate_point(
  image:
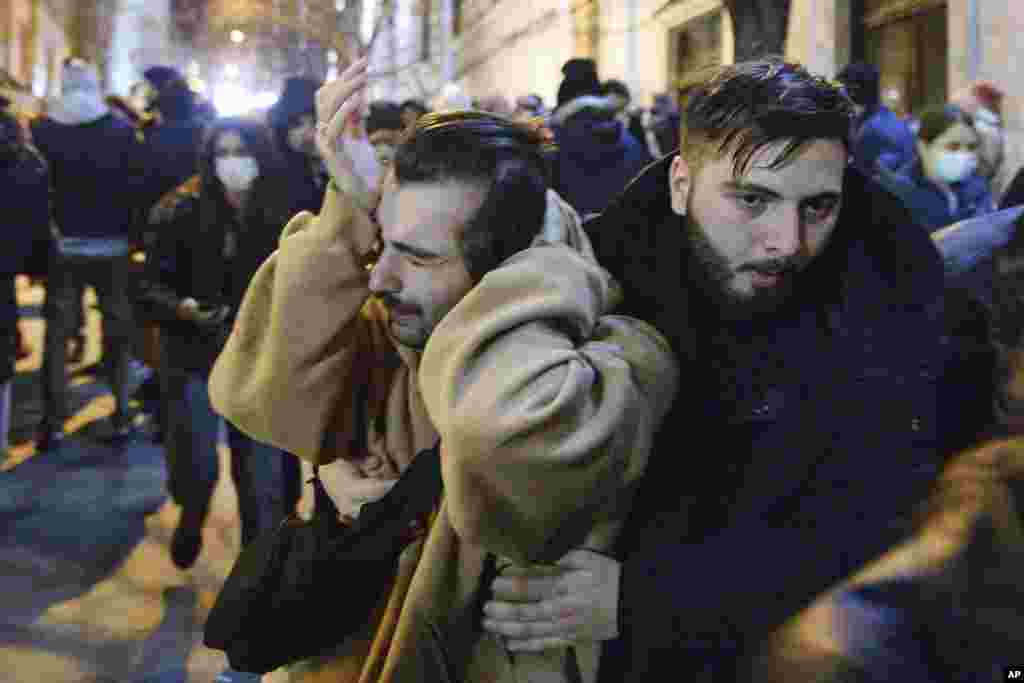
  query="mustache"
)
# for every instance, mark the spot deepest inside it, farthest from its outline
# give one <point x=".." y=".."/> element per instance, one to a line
<point x="391" y="301"/>
<point x="777" y="266"/>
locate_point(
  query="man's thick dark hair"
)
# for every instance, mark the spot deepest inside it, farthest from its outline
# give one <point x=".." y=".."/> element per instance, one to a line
<point x="740" y="109"/>
<point x="383" y="116"/>
<point x="506" y="159"/>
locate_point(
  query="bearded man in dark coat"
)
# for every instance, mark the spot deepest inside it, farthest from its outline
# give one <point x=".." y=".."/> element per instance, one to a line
<point x="827" y="372"/>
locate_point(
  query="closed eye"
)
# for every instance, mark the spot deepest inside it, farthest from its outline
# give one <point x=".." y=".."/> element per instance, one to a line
<point x="752" y="203"/>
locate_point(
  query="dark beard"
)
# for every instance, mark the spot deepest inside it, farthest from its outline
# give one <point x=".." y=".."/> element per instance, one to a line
<point x="713" y="275"/>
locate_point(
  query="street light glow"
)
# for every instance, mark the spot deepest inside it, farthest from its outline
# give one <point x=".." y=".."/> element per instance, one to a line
<point x="237" y="36"/>
<point x="231" y="99"/>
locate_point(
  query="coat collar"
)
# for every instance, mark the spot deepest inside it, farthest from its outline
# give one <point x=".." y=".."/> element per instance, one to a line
<point x="880" y="256"/>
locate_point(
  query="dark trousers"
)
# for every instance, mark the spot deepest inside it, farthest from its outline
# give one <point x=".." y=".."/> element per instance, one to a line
<point x="266" y="478"/>
<point x="104" y="264"/>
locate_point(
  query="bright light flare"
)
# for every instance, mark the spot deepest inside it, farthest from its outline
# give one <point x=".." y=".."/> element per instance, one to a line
<point x="232" y="71"/>
<point x="237" y="36"/>
<point x="231" y="99"/>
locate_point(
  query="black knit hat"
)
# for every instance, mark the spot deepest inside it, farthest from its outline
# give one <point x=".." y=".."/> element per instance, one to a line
<point x="580" y="79"/>
<point x="299" y="97"/>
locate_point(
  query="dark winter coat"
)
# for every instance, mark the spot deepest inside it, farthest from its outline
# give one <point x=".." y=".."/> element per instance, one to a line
<point x="883" y="137"/>
<point x="95" y="170"/>
<point x="214" y="267"/>
<point x="171" y="156"/>
<point x="792" y="461"/>
<point x="597" y="156"/>
<point x="27" y="223"/>
<point x="932" y="208"/>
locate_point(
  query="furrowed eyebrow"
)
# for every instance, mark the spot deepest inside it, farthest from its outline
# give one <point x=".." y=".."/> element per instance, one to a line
<point x="737" y="186"/>
<point x="415" y="251"/>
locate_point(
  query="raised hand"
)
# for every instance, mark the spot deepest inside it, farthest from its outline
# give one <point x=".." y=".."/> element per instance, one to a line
<point x="335" y="102"/>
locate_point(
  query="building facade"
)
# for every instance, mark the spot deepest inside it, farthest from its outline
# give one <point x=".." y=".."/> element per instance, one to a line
<point x="36" y="36"/>
<point x="926" y="49"/>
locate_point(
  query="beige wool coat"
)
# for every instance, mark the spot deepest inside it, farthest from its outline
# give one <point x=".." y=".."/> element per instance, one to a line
<point x="545" y="405"/>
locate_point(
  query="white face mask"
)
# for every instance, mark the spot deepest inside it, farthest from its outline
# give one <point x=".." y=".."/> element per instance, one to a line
<point x="952" y="167"/>
<point x="237" y="173"/>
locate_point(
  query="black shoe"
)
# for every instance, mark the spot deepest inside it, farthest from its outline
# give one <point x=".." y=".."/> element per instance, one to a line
<point x="187" y="540"/>
<point x="49" y="440"/>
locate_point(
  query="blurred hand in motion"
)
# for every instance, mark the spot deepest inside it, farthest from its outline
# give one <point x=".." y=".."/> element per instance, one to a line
<point x="335" y="103"/>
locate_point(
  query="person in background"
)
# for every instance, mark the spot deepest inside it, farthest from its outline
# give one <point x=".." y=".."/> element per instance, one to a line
<point x="412" y="110"/>
<point x="943" y="185"/>
<point x="984" y="102"/>
<point x="24" y="177"/>
<point x="385" y="126"/>
<point x="661" y="126"/>
<point x="213" y="233"/>
<point x="632" y="118"/>
<point x="596" y="155"/>
<point x="95" y="168"/>
<point x="880" y="137"/>
<point x="170" y="134"/>
<point x="170" y="146"/>
<point x="823" y="360"/>
<point x="528" y="107"/>
<point x="293" y="122"/>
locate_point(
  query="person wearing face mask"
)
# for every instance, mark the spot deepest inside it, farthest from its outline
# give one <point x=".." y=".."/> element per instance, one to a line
<point x="943" y="186"/>
<point x="293" y="121"/>
<point x="984" y="101"/>
<point x="214" y="232"/>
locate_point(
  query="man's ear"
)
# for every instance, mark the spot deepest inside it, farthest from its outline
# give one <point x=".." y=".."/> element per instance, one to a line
<point x="680" y="182"/>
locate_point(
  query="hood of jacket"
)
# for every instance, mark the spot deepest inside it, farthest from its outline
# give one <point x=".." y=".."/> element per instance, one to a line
<point x="588" y="131"/>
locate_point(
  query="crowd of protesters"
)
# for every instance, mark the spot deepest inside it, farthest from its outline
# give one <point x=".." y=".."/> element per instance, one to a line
<point x="572" y="302"/>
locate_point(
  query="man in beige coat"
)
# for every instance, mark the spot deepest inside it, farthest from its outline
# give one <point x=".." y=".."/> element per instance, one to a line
<point x="472" y="309"/>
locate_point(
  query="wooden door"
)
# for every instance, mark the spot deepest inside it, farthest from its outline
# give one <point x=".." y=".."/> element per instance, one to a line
<point x="908" y="42"/>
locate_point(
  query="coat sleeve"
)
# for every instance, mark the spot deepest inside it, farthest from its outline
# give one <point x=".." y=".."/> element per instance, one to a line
<point x="170" y="224"/>
<point x="545" y="408"/>
<point x="301" y="337"/>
